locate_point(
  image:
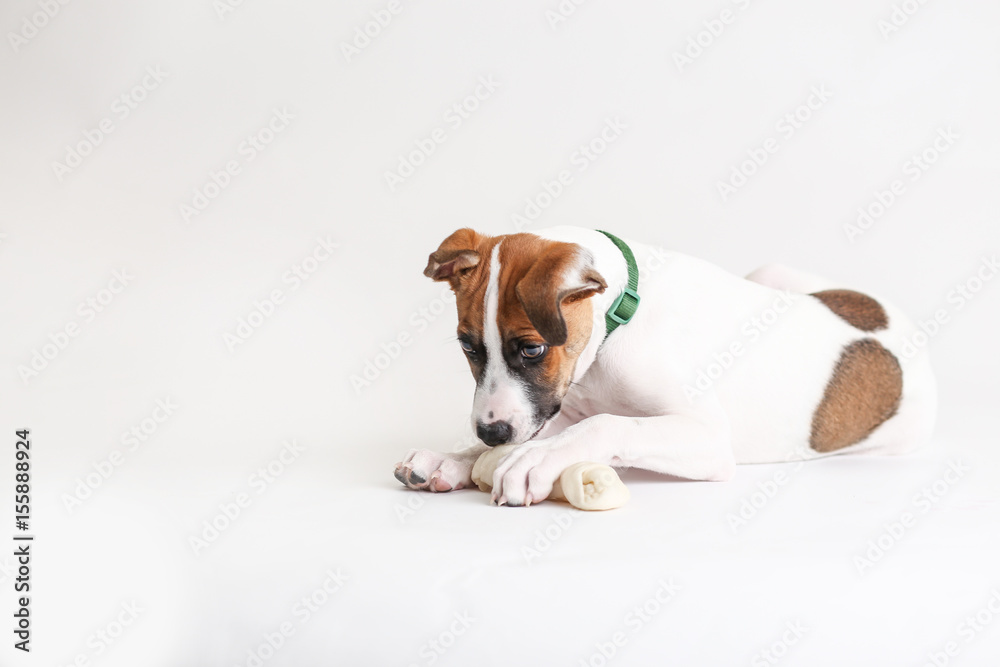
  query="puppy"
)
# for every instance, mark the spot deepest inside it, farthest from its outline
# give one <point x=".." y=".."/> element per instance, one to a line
<point x="587" y="347"/>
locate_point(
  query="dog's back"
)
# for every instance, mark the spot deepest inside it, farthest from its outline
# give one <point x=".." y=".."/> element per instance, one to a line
<point x="801" y="367"/>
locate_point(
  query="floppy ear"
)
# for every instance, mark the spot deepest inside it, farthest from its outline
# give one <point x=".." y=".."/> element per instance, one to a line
<point x="563" y="274"/>
<point x="456" y="254"/>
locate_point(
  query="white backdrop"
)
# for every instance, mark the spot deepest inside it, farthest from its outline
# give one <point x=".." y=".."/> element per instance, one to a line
<point x="200" y="246"/>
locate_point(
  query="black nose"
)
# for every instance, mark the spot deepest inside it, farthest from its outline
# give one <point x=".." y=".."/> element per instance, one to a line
<point x="494" y="434"/>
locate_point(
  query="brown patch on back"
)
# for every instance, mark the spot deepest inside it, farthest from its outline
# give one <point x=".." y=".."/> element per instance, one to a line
<point x="863" y="392"/>
<point x="857" y="309"/>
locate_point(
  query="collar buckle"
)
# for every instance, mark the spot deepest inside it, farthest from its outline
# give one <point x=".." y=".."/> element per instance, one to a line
<point x="622" y="310"/>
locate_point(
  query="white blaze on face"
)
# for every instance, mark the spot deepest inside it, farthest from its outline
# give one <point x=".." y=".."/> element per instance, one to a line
<point x="499" y="396"/>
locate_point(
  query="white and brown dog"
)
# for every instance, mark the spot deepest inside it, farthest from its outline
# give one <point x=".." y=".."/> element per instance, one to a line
<point x="710" y="371"/>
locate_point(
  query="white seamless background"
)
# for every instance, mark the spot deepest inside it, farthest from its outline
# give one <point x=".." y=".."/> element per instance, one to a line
<point x="277" y="122"/>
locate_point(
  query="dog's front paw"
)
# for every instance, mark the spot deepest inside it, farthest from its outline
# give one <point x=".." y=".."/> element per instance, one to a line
<point x="431" y="471"/>
<point x="526" y="475"/>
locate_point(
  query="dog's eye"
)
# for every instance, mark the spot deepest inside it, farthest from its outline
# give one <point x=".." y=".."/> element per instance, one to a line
<point x="467" y="346"/>
<point x="532" y="351"/>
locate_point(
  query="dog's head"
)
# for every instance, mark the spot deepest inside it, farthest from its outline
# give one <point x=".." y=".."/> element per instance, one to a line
<point x="524" y="317"/>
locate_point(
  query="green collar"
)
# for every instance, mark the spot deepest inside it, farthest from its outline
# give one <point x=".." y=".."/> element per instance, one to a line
<point x="624" y="307"/>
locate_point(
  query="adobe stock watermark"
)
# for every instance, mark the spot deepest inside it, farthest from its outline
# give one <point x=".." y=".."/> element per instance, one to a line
<point x="100" y="641"/>
<point x="545" y="537"/>
<point x="292" y="279"/>
<point x="121" y="108"/>
<point x="957" y="298"/>
<point x="416" y="501"/>
<point x="778" y="649"/>
<point x="301" y="613"/>
<point x="432" y="650"/>
<point x="584" y="155"/>
<point x="131" y="440"/>
<point x="900" y="15"/>
<point x="454" y="117"/>
<point x="974" y="623"/>
<point x="370" y="30"/>
<point x="419" y="321"/>
<point x="712" y="29"/>
<point x="224" y="8"/>
<point x="230" y="511"/>
<point x="922" y="503"/>
<point x="248" y="150"/>
<point x="751" y="332"/>
<point x="786" y="127"/>
<point x="42" y="357"/>
<point x="34" y="23"/>
<point x="562" y="12"/>
<point x="757" y="500"/>
<point x="633" y="622"/>
<point x="913" y="169"/>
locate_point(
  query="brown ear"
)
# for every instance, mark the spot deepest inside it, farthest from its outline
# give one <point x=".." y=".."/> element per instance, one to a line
<point x="456" y="254"/>
<point x="563" y="274"/>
